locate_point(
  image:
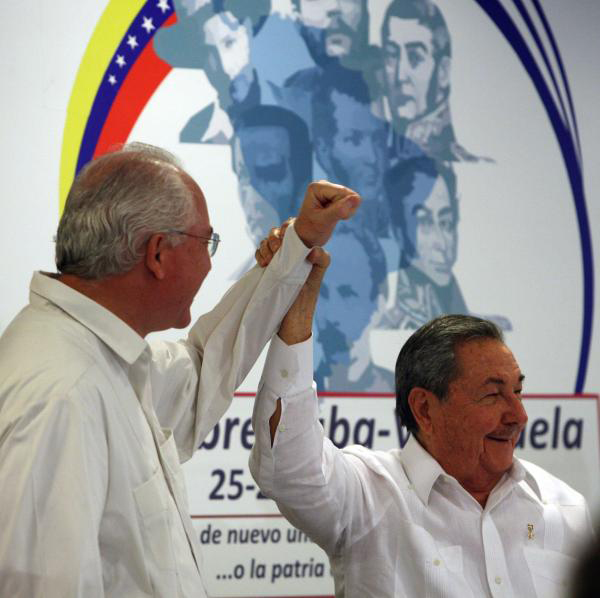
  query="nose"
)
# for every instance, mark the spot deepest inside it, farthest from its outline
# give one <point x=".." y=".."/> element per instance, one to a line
<point x="402" y="67"/>
<point x="440" y="241"/>
<point x="368" y="152"/>
<point x="333" y="9"/>
<point x="515" y="413"/>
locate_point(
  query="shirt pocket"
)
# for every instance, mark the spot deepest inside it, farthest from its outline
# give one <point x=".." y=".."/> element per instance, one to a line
<point x="550" y="571"/>
<point x="152" y="502"/>
<point x="441" y="566"/>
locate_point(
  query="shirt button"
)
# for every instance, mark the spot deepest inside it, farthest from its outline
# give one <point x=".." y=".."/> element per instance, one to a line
<point x="498" y="580"/>
<point x="437" y="562"/>
<point x="284" y="373"/>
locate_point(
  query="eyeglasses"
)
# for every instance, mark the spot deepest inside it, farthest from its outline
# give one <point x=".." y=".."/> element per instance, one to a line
<point x="212" y="242"/>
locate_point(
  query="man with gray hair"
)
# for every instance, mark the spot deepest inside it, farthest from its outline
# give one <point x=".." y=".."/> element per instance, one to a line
<point x="94" y="421"/>
<point x="451" y="514"/>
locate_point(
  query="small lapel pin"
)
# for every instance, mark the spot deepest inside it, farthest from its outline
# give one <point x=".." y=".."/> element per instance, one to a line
<point x="530" y="534"/>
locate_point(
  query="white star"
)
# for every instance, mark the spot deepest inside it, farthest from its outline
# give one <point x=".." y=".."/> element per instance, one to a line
<point x="120" y="60"/>
<point x="112" y="79"/>
<point x="148" y="25"/>
<point x="132" y="42"/>
<point x="163" y="5"/>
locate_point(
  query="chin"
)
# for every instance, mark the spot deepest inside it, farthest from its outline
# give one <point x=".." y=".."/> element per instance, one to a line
<point x="183" y="321"/>
<point x="406" y="112"/>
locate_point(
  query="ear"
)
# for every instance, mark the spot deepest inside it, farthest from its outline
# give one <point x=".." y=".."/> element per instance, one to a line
<point x="443" y="73"/>
<point x="156" y="249"/>
<point x="420" y="402"/>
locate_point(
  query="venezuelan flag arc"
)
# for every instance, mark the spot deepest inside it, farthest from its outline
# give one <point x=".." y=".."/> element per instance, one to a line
<point x="113" y="86"/>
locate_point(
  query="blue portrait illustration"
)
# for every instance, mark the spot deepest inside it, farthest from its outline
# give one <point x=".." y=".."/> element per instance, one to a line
<point x="417" y="59"/>
<point x="350" y="140"/>
<point x="272" y="158"/>
<point x="216" y="36"/>
<point x="424" y="210"/>
<point x="348" y="304"/>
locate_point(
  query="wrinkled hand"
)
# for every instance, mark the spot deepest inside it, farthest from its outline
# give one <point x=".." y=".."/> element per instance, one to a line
<point x="324" y="205"/>
<point x="270" y="245"/>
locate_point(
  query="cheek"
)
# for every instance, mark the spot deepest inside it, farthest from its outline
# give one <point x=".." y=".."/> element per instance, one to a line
<point x="314" y="14"/>
<point x="422" y="242"/>
<point x="422" y="77"/>
<point x="351" y="13"/>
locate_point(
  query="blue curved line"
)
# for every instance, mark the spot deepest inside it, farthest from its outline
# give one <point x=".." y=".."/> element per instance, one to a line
<point x="538" y="42"/>
<point x="561" y="67"/>
<point x="503" y="21"/>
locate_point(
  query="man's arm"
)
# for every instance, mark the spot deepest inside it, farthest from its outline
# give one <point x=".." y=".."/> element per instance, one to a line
<point x="296" y="327"/>
<point x="318" y="488"/>
<point x="225" y="343"/>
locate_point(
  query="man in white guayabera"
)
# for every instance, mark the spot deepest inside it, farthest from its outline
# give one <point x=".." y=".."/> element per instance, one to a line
<point x="94" y="420"/>
<point x="453" y="513"/>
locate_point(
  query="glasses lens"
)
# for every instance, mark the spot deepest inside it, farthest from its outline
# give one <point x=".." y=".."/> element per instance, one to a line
<point x="213" y="244"/>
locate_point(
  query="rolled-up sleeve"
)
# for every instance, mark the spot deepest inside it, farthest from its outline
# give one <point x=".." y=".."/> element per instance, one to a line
<point x="318" y="488"/>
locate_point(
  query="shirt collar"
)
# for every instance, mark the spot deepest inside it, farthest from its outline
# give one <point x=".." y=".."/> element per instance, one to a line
<point x="523" y="476"/>
<point x="115" y="333"/>
<point x="423" y="471"/>
<point x="421" y="468"/>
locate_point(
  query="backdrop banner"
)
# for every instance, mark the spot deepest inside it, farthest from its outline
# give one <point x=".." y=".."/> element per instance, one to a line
<point x="470" y="129"/>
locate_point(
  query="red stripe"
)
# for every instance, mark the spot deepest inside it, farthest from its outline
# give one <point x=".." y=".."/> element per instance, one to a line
<point x="144" y="77"/>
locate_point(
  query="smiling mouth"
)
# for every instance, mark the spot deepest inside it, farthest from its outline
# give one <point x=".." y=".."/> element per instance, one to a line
<point x="500" y="438"/>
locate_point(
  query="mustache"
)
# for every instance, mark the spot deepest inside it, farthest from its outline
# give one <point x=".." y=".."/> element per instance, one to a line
<point x="339" y="26"/>
<point x="507" y="432"/>
<point x="274" y="172"/>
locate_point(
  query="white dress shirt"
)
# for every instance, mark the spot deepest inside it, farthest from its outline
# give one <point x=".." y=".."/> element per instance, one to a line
<point x="92" y="498"/>
<point x="394" y="523"/>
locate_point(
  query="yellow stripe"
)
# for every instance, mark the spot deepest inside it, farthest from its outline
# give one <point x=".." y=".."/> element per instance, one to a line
<point x="109" y="31"/>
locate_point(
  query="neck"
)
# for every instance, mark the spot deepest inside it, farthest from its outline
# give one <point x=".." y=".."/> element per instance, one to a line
<point x="479" y="487"/>
<point x="121" y="294"/>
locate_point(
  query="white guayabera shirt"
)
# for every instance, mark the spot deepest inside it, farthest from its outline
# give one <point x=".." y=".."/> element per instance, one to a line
<point x="92" y="500"/>
<point x="394" y="523"/>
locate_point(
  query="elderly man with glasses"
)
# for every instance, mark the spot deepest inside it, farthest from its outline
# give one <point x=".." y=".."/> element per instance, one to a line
<point x="94" y="420"/>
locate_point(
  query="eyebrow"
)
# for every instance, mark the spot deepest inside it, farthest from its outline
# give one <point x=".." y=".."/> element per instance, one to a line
<point x="420" y="207"/>
<point x="418" y="45"/>
<point x="492" y="380"/>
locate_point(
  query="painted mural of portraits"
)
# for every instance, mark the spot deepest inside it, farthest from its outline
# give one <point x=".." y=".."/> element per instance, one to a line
<point x="371" y="114"/>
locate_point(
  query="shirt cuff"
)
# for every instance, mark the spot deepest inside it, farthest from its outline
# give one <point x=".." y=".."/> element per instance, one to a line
<point x="288" y="369"/>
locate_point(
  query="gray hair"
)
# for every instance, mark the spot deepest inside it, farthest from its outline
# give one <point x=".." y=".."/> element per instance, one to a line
<point x="428" y="360"/>
<point x="115" y="204"/>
